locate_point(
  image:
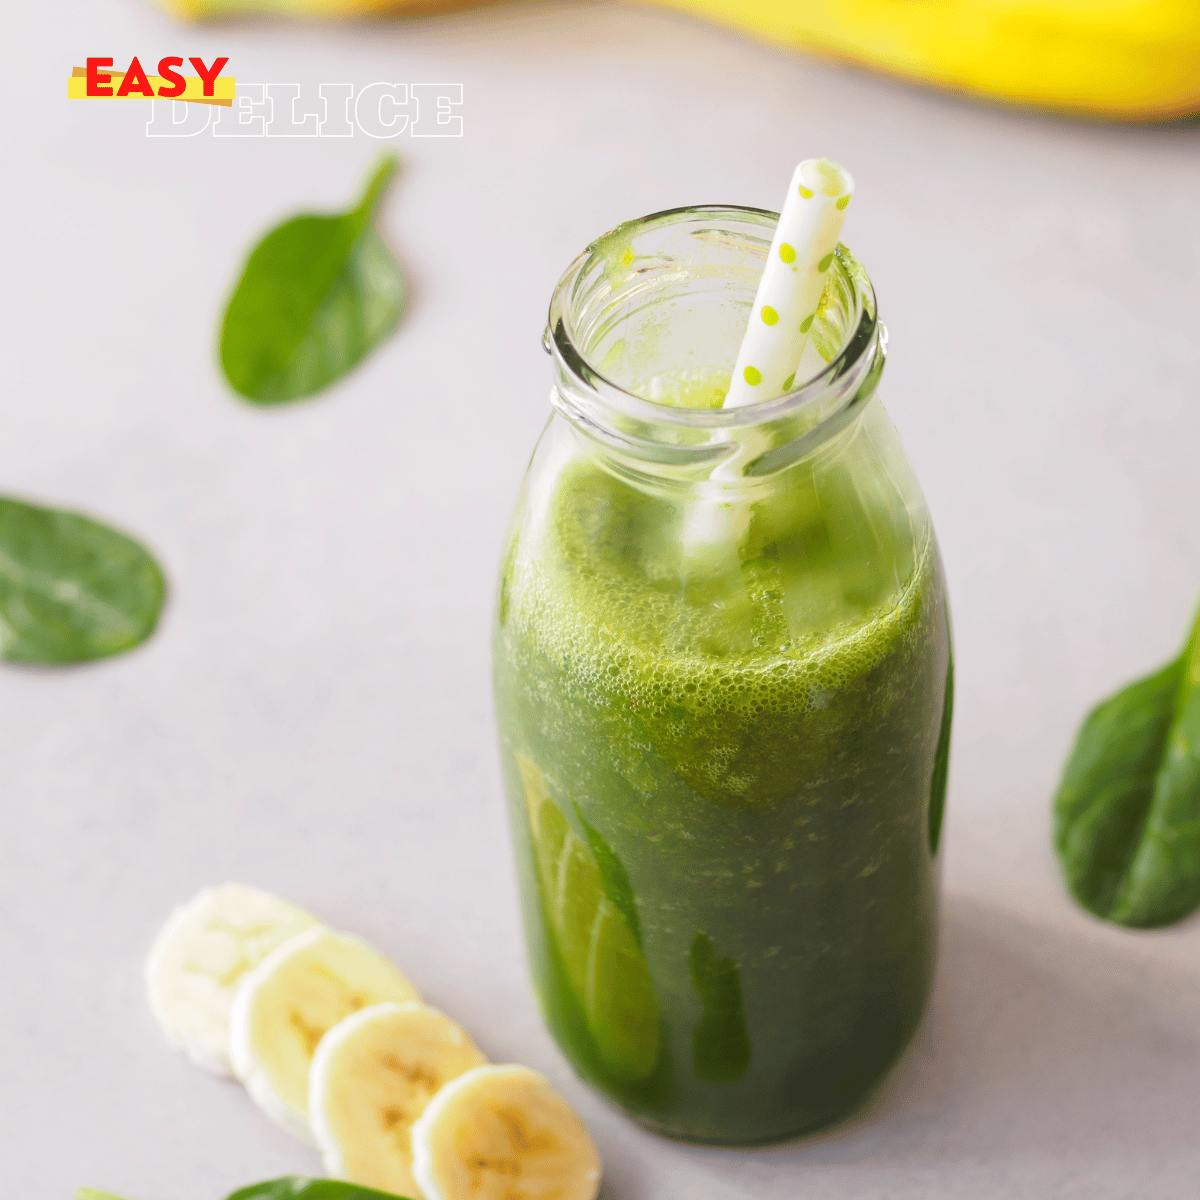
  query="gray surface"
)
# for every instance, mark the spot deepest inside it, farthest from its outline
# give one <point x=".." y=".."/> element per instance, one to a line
<point x="314" y="716"/>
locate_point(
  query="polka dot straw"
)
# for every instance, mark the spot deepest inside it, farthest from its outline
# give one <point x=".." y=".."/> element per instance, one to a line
<point x="792" y="282"/>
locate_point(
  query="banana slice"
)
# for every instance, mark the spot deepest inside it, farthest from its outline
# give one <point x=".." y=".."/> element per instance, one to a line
<point x="284" y="1007"/>
<point x="371" y="1078"/>
<point x="503" y="1133"/>
<point x="198" y="958"/>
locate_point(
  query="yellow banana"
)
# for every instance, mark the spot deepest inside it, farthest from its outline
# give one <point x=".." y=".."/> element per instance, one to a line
<point x="1129" y="59"/>
<point x="202" y="10"/>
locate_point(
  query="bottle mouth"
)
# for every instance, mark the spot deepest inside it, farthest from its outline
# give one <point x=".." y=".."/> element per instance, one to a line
<point x="672" y="292"/>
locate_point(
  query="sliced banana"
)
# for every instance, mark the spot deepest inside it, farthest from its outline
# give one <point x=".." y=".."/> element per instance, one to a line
<point x="284" y="1007"/>
<point x="371" y="1078"/>
<point x="200" y="955"/>
<point x="503" y="1133"/>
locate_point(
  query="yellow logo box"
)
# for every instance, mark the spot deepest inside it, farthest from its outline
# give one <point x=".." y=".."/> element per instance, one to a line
<point x="222" y="93"/>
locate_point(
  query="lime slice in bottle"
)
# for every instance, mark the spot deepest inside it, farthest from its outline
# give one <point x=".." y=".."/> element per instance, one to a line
<point x="604" y="964"/>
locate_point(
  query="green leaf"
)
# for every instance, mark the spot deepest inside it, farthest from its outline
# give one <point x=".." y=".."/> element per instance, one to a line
<point x="1127" y="814"/>
<point x="721" y="1043"/>
<point x="71" y="589"/>
<point x="291" y="1187"/>
<point x="941" y="759"/>
<point x="613" y="877"/>
<point x="300" y="1187"/>
<point x="317" y="295"/>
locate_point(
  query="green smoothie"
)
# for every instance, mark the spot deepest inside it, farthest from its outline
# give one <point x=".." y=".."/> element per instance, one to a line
<point x="726" y="783"/>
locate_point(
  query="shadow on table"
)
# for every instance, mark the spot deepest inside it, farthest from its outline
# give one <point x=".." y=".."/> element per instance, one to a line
<point x="1037" y="1045"/>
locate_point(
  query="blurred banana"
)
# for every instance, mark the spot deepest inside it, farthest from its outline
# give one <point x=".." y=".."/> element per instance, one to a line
<point x="1128" y="59"/>
<point x="203" y="10"/>
<point x="1132" y="60"/>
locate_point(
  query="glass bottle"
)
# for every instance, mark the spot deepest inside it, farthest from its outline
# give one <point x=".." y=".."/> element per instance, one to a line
<point x="723" y="689"/>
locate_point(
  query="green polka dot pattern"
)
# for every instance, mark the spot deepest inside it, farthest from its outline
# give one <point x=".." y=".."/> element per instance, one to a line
<point x="788" y="296"/>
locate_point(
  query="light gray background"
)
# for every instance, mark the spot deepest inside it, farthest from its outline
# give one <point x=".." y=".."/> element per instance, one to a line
<point x="313" y="715"/>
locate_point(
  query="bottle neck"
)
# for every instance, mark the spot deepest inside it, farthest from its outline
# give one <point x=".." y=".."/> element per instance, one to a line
<point x="656" y="310"/>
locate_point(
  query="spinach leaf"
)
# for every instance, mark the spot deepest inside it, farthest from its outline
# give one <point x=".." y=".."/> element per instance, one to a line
<point x="613" y="877"/>
<point x="71" y="589"/>
<point x="291" y="1187"/>
<point x="300" y="1187"/>
<point x="1127" y="814"/>
<point x="317" y="295"/>
<point x="941" y="759"/>
<point x="721" y="1043"/>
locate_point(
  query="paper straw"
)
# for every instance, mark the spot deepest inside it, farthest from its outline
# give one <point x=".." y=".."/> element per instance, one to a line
<point x="792" y="282"/>
<point x="774" y="344"/>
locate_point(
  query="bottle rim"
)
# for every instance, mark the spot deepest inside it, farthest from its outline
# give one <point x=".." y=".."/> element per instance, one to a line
<point x="858" y="361"/>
